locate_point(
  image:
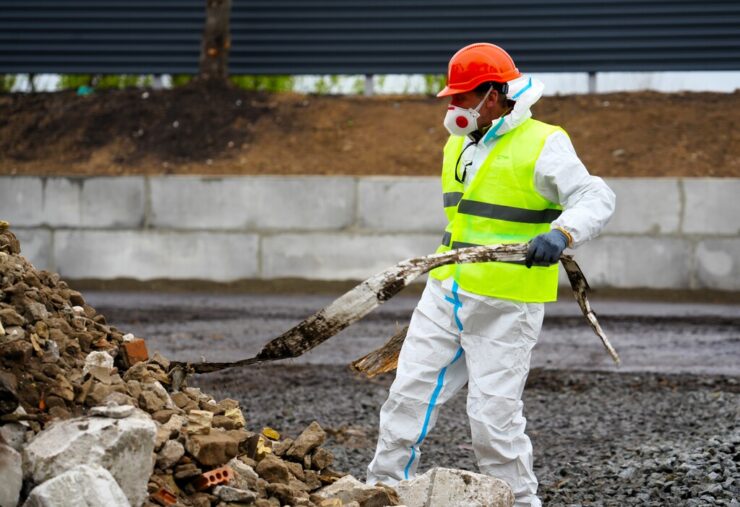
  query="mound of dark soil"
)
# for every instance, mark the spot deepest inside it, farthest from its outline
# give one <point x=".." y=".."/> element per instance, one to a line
<point x="125" y="128"/>
<point x="223" y="130"/>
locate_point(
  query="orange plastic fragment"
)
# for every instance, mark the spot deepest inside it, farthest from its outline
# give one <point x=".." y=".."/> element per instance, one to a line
<point x="213" y="477"/>
<point x="134" y="352"/>
<point x="164" y="497"/>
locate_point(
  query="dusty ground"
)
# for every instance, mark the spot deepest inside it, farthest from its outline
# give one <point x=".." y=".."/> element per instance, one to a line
<point x="660" y="431"/>
<point x="193" y="130"/>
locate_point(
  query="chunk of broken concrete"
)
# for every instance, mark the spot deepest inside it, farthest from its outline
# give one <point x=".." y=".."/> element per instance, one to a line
<point x="170" y="454"/>
<point x="312" y="437"/>
<point x="99" y="365"/>
<point x="273" y="469"/>
<point x="37" y="311"/>
<point x="229" y="494"/>
<point x="154" y="397"/>
<point x="122" y="446"/>
<point x="244" y="475"/>
<point x="446" y="487"/>
<point x="170" y="429"/>
<point x="82" y="485"/>
<point x="348" y="489"/>
<point x="236" y="417"/>
<point x="321" y="459"/>
<point x="14" y="434"/>
<point x="9" y="317"/>
<point x="216" y="448"/>
<point x="14" y="333"/>
<point x="112" y="411"/>
<point x="12" y="476"/>
<point x="199" y="422"/>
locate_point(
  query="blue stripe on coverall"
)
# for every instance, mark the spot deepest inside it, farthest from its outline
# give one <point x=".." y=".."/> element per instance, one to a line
<point x="455" y="300"/>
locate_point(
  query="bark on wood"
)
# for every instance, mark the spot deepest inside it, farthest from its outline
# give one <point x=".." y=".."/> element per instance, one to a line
<point x="214" y="52"/>
<point x="385" y="358"/>
<point x="580" y="287"/>
<point x="382" y="360"/>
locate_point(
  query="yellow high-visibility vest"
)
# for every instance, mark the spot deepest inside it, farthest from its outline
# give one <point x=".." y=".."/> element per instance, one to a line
<point x="500" y="205"/>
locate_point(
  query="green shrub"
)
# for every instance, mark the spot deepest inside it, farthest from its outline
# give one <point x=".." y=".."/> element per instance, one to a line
<point x="104" y="81"/>
<point x="181" y="79"/>
<point x="74" y="81"/>
<point x="264" y="83"/>
<point x="434" y="83"/>
<point x="6" y="82"/>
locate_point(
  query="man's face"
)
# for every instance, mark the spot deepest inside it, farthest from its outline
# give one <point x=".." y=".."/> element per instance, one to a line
<point x="489" y="111"/>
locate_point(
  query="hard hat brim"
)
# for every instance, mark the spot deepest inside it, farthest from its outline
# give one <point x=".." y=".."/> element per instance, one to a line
<point x="447" y="91"/>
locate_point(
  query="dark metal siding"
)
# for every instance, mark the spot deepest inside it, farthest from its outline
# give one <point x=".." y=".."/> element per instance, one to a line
<point x="369" y="37"/>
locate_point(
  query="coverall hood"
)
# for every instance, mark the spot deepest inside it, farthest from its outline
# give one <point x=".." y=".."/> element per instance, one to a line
<point x="525" y="91"/>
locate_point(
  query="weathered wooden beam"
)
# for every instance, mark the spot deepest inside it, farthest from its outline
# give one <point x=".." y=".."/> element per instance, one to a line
<point x="378" y="289"/>
<point x="360" y="301"/>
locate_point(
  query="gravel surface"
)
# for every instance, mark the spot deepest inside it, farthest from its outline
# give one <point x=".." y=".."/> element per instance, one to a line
<point x="662" y="431"/>
<point x="599" y="438"/>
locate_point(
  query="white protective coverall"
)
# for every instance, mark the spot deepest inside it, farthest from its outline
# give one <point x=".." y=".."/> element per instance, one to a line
<point x="456" y="337"/>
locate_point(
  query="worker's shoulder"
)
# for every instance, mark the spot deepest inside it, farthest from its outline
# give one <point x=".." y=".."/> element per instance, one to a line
<point x="545" y="128"/>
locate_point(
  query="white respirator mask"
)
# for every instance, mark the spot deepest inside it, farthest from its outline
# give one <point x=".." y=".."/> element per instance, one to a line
<point x="460" y="121"/>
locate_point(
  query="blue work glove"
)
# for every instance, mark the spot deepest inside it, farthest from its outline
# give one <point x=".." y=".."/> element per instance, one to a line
<point x="546" y="248"/>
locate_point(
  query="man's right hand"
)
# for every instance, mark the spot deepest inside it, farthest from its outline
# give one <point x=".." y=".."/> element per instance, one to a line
<point x="546" y="248"/>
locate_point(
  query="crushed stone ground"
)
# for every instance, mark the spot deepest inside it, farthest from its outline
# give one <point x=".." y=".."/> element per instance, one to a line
<point x="641" y="437"/>
<point x="599" y="439"/>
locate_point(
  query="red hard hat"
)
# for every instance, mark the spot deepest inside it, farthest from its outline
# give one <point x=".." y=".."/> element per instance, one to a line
<point x="476" y="64"/>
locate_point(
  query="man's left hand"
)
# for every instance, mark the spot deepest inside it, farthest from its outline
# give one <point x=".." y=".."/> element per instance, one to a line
<point x="546" y="248"/>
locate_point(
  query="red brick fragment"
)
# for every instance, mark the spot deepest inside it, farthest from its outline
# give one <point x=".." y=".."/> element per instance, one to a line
<point x="213" y="477"/>
<point x="134" y="352"/>
<point x="164" y="497"/>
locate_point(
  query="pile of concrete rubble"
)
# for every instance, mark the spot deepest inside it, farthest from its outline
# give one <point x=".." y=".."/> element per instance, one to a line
<point x="88" y="417"/>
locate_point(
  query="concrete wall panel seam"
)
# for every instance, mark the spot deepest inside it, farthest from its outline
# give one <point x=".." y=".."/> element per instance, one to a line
<point x="356" y="203"/>
<point x="682" y="201"/>
<point x="260" y="249"/>
<point x="147" y="203"/>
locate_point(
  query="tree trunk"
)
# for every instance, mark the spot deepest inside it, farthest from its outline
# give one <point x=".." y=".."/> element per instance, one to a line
<point x="214" y="52"/>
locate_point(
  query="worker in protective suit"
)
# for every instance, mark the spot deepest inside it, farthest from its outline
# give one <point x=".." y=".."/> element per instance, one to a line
<point x="506" y="178"/>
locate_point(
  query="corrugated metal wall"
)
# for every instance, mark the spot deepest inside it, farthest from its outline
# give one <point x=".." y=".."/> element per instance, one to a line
<point x="369" y="37"/>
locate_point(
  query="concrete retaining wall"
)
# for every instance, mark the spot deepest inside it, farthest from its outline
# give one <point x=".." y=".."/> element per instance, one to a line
<point x="667" y="233"/>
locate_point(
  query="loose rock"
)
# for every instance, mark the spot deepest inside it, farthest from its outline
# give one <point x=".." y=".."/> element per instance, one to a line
<point x="445" y="487"/>
<point x="213" y="449"/>
<point x="170" y="454"/>
<point x="229" y="494"/>
<point x="348" y="489"/>
<point x="121" y="446"/>
<point x="310" y="439"/>
<point x="12" y="476"/>
<point x="82" y="485"/>
<point x="273" y="469"/>
<point x="199" y="422"/>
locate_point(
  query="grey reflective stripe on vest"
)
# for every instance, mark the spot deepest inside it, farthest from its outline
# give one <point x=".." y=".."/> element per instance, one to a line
<point x="451" y="198"/>
<point x="527" y="216"/>
<point x="446" y="239"/>
<point x="460" y="244"/>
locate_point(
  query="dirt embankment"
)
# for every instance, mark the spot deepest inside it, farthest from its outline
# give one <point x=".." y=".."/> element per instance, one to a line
<point x="195" y="130"/>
